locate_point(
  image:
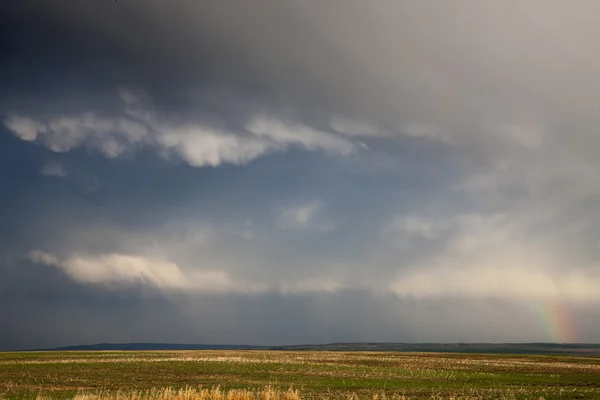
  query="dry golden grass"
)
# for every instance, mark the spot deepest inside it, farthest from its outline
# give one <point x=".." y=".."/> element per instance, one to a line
<point x="215" y="393"/>
<point x="267" y="393"/>
<point x="196" y="394"/>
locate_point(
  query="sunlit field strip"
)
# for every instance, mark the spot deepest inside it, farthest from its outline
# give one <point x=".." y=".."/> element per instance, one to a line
<point x="311" y="375"/>
<point x="324" y="358"/>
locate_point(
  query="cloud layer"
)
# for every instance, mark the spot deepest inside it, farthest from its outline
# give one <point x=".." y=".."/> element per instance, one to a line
<point x="198" y="144"/>
<point x="414" y="166"/>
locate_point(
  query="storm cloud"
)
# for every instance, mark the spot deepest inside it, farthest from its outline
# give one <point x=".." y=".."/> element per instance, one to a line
<point x="297" y="171"/>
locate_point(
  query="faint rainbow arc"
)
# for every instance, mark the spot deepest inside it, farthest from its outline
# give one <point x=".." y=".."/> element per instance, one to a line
<point x="556" y="320"/>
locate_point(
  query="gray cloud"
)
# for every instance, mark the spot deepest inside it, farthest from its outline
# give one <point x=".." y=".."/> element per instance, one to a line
<point x="53" y="169"/>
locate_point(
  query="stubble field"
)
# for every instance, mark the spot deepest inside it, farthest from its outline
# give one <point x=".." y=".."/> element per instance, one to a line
<point x="271" y="375"/>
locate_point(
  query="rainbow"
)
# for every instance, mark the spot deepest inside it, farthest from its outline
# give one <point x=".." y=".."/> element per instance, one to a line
<point x="555" y="319"/>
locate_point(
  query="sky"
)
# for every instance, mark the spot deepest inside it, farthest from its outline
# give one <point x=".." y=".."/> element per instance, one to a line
<point x="290" y="172"/>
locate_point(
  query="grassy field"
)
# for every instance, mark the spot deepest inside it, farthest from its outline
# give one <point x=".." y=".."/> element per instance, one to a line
<point x="269" y="375"/>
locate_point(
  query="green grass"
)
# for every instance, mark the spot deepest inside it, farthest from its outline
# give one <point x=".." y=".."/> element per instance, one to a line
<point x="317" y="375"/>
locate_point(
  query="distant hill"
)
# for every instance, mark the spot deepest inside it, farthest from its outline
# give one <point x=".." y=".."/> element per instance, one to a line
<point x="490" y="348"/>
<point x="154" y="346"/>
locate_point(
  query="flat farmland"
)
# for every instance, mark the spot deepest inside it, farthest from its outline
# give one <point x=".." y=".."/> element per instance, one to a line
<point x="295" y="375"/>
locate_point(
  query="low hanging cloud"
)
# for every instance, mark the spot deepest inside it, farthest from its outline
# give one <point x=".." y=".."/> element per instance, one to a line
<point x="114" y="269"/>
<point x="196" y="143"/>
<point x="25" y="128"/>
<point x="109" y="136"/>
<point x="490" y="256"/>
<point x="121" y="271"/>
<point x="304" y="136"/>
<point x="201" y="146"/>
<point x="506" y="281"/>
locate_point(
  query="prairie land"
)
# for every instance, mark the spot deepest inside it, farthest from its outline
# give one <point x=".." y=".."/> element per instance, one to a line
<point x="271" y="375"/>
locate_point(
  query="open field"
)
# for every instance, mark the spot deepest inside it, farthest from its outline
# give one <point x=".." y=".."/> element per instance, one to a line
<point x="311" y="375"/>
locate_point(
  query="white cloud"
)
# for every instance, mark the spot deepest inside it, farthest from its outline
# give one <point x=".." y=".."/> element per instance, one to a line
<point x="492" y="256"/>
<point x="25" y="128"/>
<point x="110" y="136"/>
<point x="300" y="135"/>
<point x="114" y="268"/>
<point x="304" y="217"/>
<point x="205" y="146"/>
<point x="509" y="281"/>
<point x="198" y="144"/>
<point x="111" y="269"/>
